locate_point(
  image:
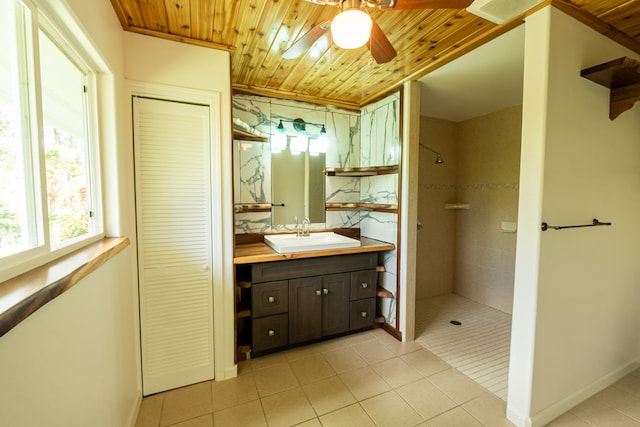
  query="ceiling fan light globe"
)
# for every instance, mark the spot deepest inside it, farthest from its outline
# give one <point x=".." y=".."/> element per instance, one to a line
<point x="351" y="29"/>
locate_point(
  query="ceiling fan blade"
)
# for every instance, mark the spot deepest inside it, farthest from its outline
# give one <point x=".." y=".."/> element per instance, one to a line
<point x="379" y="45"/>
<point x="303" y="44"/>
<point x="424" y="4"/>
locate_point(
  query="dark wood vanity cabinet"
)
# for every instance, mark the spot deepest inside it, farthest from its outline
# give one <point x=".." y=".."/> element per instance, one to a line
<point x="305" y="300"/>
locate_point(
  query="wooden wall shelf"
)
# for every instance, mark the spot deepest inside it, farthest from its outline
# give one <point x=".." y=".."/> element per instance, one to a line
<point x="256" y="207"/>
<point x="622" y="76"/>
<point x="361" y="207"/>
<point x="363" y="171"/>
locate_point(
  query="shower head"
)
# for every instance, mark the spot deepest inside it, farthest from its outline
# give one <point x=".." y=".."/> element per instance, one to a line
<point x="439" y="160"/>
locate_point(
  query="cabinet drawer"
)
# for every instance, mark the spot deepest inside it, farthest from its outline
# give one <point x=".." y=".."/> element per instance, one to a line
<point x="270" y="332"/>
<point x="363" y="284"/>
<point x="362" y="313"/>
<point x="269" y="298"/>
<point x="296" y="268"/>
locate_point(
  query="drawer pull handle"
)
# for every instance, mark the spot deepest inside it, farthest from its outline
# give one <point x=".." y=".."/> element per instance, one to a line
<point x="365" y="285"/>
<point x="271" y="299"/>
<point x="271" y="332"/>
<point x="364" y="314"/>
<point x="318" y="292"/>
<point x="325" y="291"/>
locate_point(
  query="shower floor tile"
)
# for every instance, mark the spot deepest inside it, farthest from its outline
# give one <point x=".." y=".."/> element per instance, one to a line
<point x="478" y="347"/>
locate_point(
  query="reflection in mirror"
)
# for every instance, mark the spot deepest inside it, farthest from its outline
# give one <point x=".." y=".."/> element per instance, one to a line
<point x="297" y="187"/>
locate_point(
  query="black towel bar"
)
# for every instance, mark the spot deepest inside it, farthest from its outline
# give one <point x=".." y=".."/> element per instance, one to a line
<point x="595" y="223"/>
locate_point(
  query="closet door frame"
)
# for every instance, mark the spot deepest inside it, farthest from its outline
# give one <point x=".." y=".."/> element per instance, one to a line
<point x="222" y="224"/>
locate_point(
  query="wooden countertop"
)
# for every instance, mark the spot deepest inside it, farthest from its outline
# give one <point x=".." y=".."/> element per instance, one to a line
<point x="259" y="252"/>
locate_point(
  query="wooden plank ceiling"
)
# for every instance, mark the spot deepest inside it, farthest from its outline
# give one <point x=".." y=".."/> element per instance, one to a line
<point x="256" y="32"/>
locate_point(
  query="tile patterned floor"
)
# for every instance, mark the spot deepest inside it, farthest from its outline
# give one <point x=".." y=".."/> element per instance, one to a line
<point x="367" y="379"/>
<point x="479" y="347"/>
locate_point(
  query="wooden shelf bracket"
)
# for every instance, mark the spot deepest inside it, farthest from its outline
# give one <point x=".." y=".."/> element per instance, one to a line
<point x="622" y="77"/>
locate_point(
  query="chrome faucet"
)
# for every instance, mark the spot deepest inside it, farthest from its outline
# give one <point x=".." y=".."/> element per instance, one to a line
<point x="305" y="227"/>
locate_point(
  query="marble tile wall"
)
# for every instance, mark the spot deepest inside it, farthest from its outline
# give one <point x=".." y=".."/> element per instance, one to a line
<point x="380" y="146"/>
<point x="252" y="161"/>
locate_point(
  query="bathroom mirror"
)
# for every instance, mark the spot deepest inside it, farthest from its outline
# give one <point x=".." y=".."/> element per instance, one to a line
<point x="297" y="187"/>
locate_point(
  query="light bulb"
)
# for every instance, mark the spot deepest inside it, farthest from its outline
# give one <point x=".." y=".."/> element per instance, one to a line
<point x="279" y="139"/>
<point x="299" y="144"/>
<point x="351" y="28"/>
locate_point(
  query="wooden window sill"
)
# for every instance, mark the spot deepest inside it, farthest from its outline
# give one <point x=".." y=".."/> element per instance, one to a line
<point x="23" y="295"/>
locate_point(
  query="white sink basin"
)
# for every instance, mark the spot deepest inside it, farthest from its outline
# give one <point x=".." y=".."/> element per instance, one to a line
<point x="289" y="243"/>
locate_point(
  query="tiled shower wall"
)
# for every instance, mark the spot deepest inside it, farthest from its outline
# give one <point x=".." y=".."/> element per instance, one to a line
<point x="466" y="251"/>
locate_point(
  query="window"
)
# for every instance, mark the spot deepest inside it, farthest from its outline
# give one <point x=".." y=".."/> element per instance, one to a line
<point x="49" y="199"/>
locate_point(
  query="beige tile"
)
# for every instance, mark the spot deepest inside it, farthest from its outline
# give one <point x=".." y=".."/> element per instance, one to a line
<point x="203" y="421"/>
<point x="311" y="423"/>
<point x="287" y="408"/>
<point x="233" y="392"/>
<point x="601" y="415"/>
<point x="344" y="359"/>
<point x="300" y="353"/>
<point x="310" y="369"/>
<point x="425" y="362"/>
<point x="150" y="411"/>
<point x="373" y="351"/>
<point x="426" y="399"/>
<point x="186" y="403"/>
<point x="352" y="416"/>
<point x="457" y="386"/>
<point x="267" y="361"/>
<point x="568" y="420"/>
<point x="389" y="409"/>
<point x="620" y="400"/>
<point x="398" y="347"/>
<point x="246" y="415"/>
<point x="456" y="417"/>
<point x="630" y="384"/>
<point x="244" y="367"/>
<point x="489" y="409"/>
<point x="364" y="383"/>
<point x="396" y="372"/>
<point x="328" y="395"/>
<point x="275" y="379"/>
<point x="360" y="337"/>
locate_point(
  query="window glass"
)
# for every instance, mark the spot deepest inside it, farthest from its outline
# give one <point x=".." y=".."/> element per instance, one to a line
<point x="65" y="143"/>
<point x="16" y="219"/>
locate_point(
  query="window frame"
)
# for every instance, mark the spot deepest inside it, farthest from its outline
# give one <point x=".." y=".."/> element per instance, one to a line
<point x="36" y="21"/>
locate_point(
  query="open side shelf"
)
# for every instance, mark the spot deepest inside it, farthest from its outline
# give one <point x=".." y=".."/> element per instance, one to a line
<point x="363" y="171"/>
<point x="361" y="207"/>
<point x="622" y="76"/>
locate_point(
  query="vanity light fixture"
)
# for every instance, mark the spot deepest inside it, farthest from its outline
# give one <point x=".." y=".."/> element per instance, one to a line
<point x="300" y="142"/>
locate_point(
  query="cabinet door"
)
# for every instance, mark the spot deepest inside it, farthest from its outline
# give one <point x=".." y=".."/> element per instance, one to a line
<point x="335" y="303"/>
<point x="305" y="309"/>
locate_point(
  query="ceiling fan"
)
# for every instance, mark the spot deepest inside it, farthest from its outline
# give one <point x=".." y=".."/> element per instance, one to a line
<point x="353" y="27"/>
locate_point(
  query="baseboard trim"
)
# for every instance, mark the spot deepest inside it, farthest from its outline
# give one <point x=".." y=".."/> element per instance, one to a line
<point x="552" y="412"/>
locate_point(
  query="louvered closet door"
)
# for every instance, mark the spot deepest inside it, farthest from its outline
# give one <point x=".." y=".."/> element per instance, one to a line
<point x="173" y="209"/>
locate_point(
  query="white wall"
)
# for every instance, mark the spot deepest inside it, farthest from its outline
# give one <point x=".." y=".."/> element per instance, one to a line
<point x="183" y="66"/>
<point x="576" y="314"/>
<point x="75" y="361"/>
